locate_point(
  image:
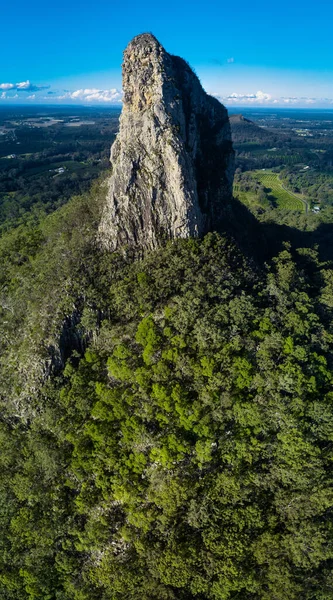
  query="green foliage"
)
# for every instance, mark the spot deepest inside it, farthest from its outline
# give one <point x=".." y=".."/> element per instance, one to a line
<point x="186" y="453"/>
<point x="278" y="193"/>
<point x="166" y="424"/>
<point x="266" y="189"/>
<point x="46" y="273"/>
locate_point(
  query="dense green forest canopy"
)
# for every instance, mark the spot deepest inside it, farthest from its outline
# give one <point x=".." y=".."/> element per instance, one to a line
<point x="167" y="422"/>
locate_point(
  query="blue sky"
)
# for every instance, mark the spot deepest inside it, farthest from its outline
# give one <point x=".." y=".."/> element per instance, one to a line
<point x="247" y="53"/>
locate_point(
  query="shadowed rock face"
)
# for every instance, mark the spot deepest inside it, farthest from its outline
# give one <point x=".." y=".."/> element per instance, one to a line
<point x="172" y="161"/>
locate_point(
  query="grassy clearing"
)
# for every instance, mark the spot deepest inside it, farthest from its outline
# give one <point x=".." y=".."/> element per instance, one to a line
<point x="280" y="196"/>
<point x="248" y="198"/>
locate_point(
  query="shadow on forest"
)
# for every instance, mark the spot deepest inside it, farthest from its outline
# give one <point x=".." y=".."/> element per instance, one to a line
<point x="262" y="241"/>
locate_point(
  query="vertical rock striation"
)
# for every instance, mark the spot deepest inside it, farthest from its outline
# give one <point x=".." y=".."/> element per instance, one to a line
<point x="172" y="161"/>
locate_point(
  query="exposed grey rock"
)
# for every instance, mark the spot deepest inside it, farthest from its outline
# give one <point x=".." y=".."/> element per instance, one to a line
<point x="172" y="161"/>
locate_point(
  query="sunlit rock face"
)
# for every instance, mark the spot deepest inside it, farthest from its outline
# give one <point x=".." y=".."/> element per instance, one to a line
<point x="172" y="161"/>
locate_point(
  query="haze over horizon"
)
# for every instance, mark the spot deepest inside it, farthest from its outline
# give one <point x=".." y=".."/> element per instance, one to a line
<point x="253" y="56"/>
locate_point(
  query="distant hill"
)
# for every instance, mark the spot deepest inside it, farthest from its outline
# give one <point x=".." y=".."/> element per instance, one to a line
<point x="243" y="130"/>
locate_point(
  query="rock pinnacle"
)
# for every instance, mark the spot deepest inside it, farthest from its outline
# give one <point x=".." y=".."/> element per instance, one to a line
<point x="172" y="161"/>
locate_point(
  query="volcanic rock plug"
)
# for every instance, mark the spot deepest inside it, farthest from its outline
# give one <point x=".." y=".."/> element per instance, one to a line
<point x="172" y="161"/>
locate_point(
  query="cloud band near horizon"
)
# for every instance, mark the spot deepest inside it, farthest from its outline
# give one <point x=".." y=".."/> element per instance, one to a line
<point x="23" y="86"/>
<point x="113" y="96"/>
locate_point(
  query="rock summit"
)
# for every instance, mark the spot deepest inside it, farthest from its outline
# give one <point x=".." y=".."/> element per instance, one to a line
<point x="172" y="161"/>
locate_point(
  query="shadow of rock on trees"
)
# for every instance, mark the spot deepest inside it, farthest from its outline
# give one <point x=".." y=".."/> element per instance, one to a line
<point x="261" y="241"/>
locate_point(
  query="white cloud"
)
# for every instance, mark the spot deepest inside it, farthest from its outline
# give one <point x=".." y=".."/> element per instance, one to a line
<point x="32" y="97"/>
<point x="290" y="100"/>
<point x="22" y="86"/>
<point x="259" y="97"/>
<point x="3" y="96"/>
<point x="112" y="96"/>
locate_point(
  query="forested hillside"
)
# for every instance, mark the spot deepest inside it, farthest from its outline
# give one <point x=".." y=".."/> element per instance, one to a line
<point x="166" y="423"/>
<point x="166" y="420"/>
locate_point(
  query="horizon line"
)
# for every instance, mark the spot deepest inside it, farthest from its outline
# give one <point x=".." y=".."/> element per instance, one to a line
<point x="119" y="106"/>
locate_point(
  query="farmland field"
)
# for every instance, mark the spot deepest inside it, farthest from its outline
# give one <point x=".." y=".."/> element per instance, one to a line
<point x="278" y="194"/>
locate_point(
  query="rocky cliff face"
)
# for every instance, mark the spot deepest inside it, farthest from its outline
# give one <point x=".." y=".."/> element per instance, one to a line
<point x="172" y="161"/>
